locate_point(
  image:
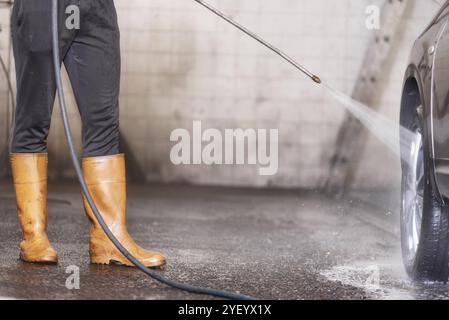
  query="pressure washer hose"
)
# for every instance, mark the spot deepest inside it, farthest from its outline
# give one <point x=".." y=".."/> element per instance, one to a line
<point x="8" y="83"/>
<point x="153" y="274"/>
<point x="13" y="101"/>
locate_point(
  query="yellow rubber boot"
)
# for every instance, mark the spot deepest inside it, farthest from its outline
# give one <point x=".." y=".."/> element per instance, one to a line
<point x="30" y="183"/>
<point x="106" y="180"/>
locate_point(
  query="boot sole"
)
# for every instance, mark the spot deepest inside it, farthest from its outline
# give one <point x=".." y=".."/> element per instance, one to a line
<point x="41" y="262"/>
<point x="107" y="261"/>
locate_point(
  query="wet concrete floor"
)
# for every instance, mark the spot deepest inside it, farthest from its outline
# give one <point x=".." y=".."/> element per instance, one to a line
<point x="271" y="244"/>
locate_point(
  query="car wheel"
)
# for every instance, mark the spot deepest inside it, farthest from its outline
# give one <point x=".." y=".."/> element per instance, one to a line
<point x="424" y="219"/>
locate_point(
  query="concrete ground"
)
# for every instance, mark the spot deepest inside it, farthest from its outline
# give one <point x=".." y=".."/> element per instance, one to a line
<point x="268" y="244"/>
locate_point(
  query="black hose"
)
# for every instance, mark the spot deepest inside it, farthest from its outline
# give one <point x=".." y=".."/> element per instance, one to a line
<point x="12" y="99"/>
<point x="13" y="103"/>
<point x="153" y="274"/>
<point x="8" y="82"/>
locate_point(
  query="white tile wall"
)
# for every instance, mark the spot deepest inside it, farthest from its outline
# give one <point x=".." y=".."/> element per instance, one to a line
<point x="181" y="63"/>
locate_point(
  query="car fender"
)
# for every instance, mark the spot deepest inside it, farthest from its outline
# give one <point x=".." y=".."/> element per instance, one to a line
<point x="413" y="73"/>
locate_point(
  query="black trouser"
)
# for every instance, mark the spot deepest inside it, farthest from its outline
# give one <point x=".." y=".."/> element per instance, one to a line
<point x="91" y="55"/>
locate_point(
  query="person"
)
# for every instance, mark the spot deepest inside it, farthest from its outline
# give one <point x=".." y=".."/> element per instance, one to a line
<point x="91" y="55"/>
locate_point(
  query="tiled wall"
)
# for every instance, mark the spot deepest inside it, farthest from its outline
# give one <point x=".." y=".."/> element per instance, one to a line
<point x="181" y="63"/>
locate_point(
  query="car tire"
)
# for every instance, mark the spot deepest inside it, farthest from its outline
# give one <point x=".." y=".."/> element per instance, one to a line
<point x="425" y="241"/>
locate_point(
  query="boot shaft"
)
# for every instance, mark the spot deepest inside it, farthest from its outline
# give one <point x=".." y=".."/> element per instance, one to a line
<point x="106" y="180"/>
<point x="30" y="183"/>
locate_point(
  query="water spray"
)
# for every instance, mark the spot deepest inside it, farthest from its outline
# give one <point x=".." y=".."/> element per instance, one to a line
<point x="388" y="132"/>
<point x="394" y="136"/>
<point x="391" y="134"/>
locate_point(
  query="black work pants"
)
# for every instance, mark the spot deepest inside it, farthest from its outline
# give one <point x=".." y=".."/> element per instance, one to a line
<point x="91" y="55"/>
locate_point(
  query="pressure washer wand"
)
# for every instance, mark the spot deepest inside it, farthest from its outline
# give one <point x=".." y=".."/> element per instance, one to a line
<point x="262" y="41"/>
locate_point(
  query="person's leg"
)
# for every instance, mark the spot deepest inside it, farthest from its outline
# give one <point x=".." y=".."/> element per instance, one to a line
<point x="36" y="86"/>
<point x="31" y="33"/>
<point x="93" y="65"/>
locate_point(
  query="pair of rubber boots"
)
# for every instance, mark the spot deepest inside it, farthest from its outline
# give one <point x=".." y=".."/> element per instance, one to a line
<point x="106" y="180"/>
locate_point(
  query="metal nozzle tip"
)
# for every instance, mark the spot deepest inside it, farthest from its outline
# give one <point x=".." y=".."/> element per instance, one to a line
<point x="316" y="79"/>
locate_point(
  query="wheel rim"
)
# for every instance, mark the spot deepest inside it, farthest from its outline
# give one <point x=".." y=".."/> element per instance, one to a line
<point x="413" y="201"/>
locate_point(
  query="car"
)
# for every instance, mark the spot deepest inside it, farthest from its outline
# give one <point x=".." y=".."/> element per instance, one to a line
<point x="424" y="119"/>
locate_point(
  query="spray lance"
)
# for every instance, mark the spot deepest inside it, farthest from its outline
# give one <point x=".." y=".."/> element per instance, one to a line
<point x="76" y="163"/>
<point x="260" y="40"/>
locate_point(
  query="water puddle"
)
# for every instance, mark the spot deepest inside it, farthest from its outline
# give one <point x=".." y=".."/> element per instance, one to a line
<point x="369" y="278"/>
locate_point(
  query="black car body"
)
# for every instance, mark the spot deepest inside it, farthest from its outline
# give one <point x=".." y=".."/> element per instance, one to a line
<point x="425" y="158"/>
